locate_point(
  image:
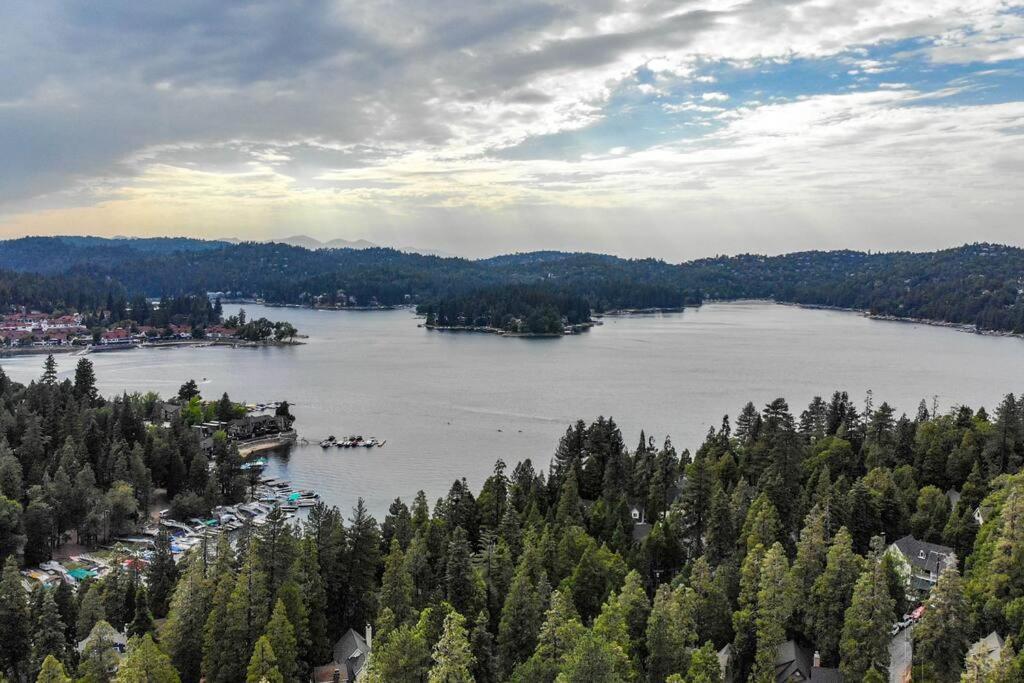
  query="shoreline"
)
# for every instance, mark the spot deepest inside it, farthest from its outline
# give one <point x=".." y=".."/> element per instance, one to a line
<point x="267" y="443"/>
<point x="883" y="317"/>
<point x="570" y="330"/>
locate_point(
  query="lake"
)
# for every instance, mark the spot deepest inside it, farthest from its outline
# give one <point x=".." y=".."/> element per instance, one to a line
<point x="450" y="404"/>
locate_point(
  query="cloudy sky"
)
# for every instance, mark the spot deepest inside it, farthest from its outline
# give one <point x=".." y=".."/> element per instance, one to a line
<point x="670" y="129"/>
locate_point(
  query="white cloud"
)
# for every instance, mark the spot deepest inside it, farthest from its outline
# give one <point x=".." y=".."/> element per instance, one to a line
<point x="129" y="114"/>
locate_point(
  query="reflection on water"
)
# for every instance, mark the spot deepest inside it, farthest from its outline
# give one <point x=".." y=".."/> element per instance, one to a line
<point x="449" y="405"/>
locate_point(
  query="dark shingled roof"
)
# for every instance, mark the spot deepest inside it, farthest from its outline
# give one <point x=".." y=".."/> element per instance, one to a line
<point x="926" y="557"/>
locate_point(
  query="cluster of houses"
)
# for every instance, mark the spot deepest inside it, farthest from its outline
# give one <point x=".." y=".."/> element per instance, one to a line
<point x="41" y="329"/>
<point x="30" y="329"/>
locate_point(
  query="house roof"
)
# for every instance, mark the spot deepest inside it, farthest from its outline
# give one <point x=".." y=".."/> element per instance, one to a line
<point x="991" y="647"/>
<point x="351" y="647"/>
<point x="641" y="531"/>
<point x="792" y="662"/>
<point x="927" y="557"/>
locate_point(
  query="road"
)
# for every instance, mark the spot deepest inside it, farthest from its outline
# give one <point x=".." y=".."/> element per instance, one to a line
<point x="901" y="652"/>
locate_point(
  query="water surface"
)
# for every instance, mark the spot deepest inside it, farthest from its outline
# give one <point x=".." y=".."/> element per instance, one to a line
<point x="450" y="404"/>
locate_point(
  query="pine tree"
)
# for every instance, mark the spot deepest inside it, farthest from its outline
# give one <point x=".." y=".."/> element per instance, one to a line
<point x="670" y="632"/>
<point x="281" y="635"/>
<point x="99" y="659"/>
<point x="49" y="371"/>
<point x="559" y="634"/>
<point x="90" y="610"/>
<point x="146" y="663"/>
<point x="220" y="662"/>
<point x="522" y="613"/>
<point x="263" y="664"/>
<point x="142" y="621"/>
<point x="773" y="609"/>
<point x="704" y="666"/>
<point x="182" y="633"/>
<point x="831" y="596"/>
<point x="744" y="618"/>
<point x="594" y="660"/>
<point x="161" y="575"/>
<point x="396" y="584"/>
<point x="940" y="638"/>
<point x="52" y="671"/>
<point x="246" y="616"/>
<point x="48" y="630"/>
<point x="453" y="658"/>
<point x="460" y="579"/>
<point x="85" y="380"/>
<point x="363" y="553"/>
<point x="14" y="621"/>
<point x="865" y="639"/>
<point x="403" y="656"/>
<point x="310" y="582"/>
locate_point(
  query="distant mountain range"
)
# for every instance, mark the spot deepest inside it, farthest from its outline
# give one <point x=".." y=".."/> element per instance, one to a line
<point x="312" y="243"/>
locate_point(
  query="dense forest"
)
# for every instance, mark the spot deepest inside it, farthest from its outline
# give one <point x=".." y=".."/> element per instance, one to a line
<point x="978" y="284"/>
<point x="518" y="309"/>
<point x="614" y="564"/>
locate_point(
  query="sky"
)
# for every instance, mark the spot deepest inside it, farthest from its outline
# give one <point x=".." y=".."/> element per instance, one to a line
<point x="643" y="128"/>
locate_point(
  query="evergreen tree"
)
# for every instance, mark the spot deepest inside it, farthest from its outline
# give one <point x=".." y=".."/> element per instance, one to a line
<point x="403" y="656"/>
<point x="281" y="635"/>
<point x="188" y="391"/>
<point x="142" y="621"/>
<point x="262" y="666"/>
<point x="396" y="585"/>
<point x="704" y="666"/>
<point x="99" y="658"/>
<point x="14" y="622"/>
<point x="363" y="553"/>
<point x="831" y="596"/>
<point x="48" y="630"/>
<point x="146" y="663"/>
<point x="182" y="633"/>
<point x="453" y="658"/>
<point x="246" y="617"/>
<point x="460" y="579"/>
<point x="773" y="609"/>
<point x="522" y="613"/>
<point x="811" y="557"/>
<point x="85" y="380"/>
<point x="670" y="632"/>
<point x="49" y="371"/>
<point x="161" y="575"/>
<point x="940" y="638"/>
<point x="865" y="640"/>
<point x="594" y="660"/>
<point x="559" y="634"/>
<point x="52" y="671"/>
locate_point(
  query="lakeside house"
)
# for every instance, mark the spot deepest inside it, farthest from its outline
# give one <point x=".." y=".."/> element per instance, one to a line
<point x="348" y="662"/>
<point x="921" y="562"/>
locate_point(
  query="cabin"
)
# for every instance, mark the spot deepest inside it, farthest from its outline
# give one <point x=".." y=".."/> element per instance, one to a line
<point x="989" y="649"/>
<point x="351" y="653"/>
<point x="921" y="562"/>
<point x="166" y="412"/>
<point x="793" y="662"/>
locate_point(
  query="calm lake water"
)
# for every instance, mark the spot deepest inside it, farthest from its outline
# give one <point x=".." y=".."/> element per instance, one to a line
<point x="449" y="405"/>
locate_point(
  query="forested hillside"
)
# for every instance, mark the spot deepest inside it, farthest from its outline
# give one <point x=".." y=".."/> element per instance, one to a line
<point x="780" y="531"/>
<point x="979" y="284"/>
